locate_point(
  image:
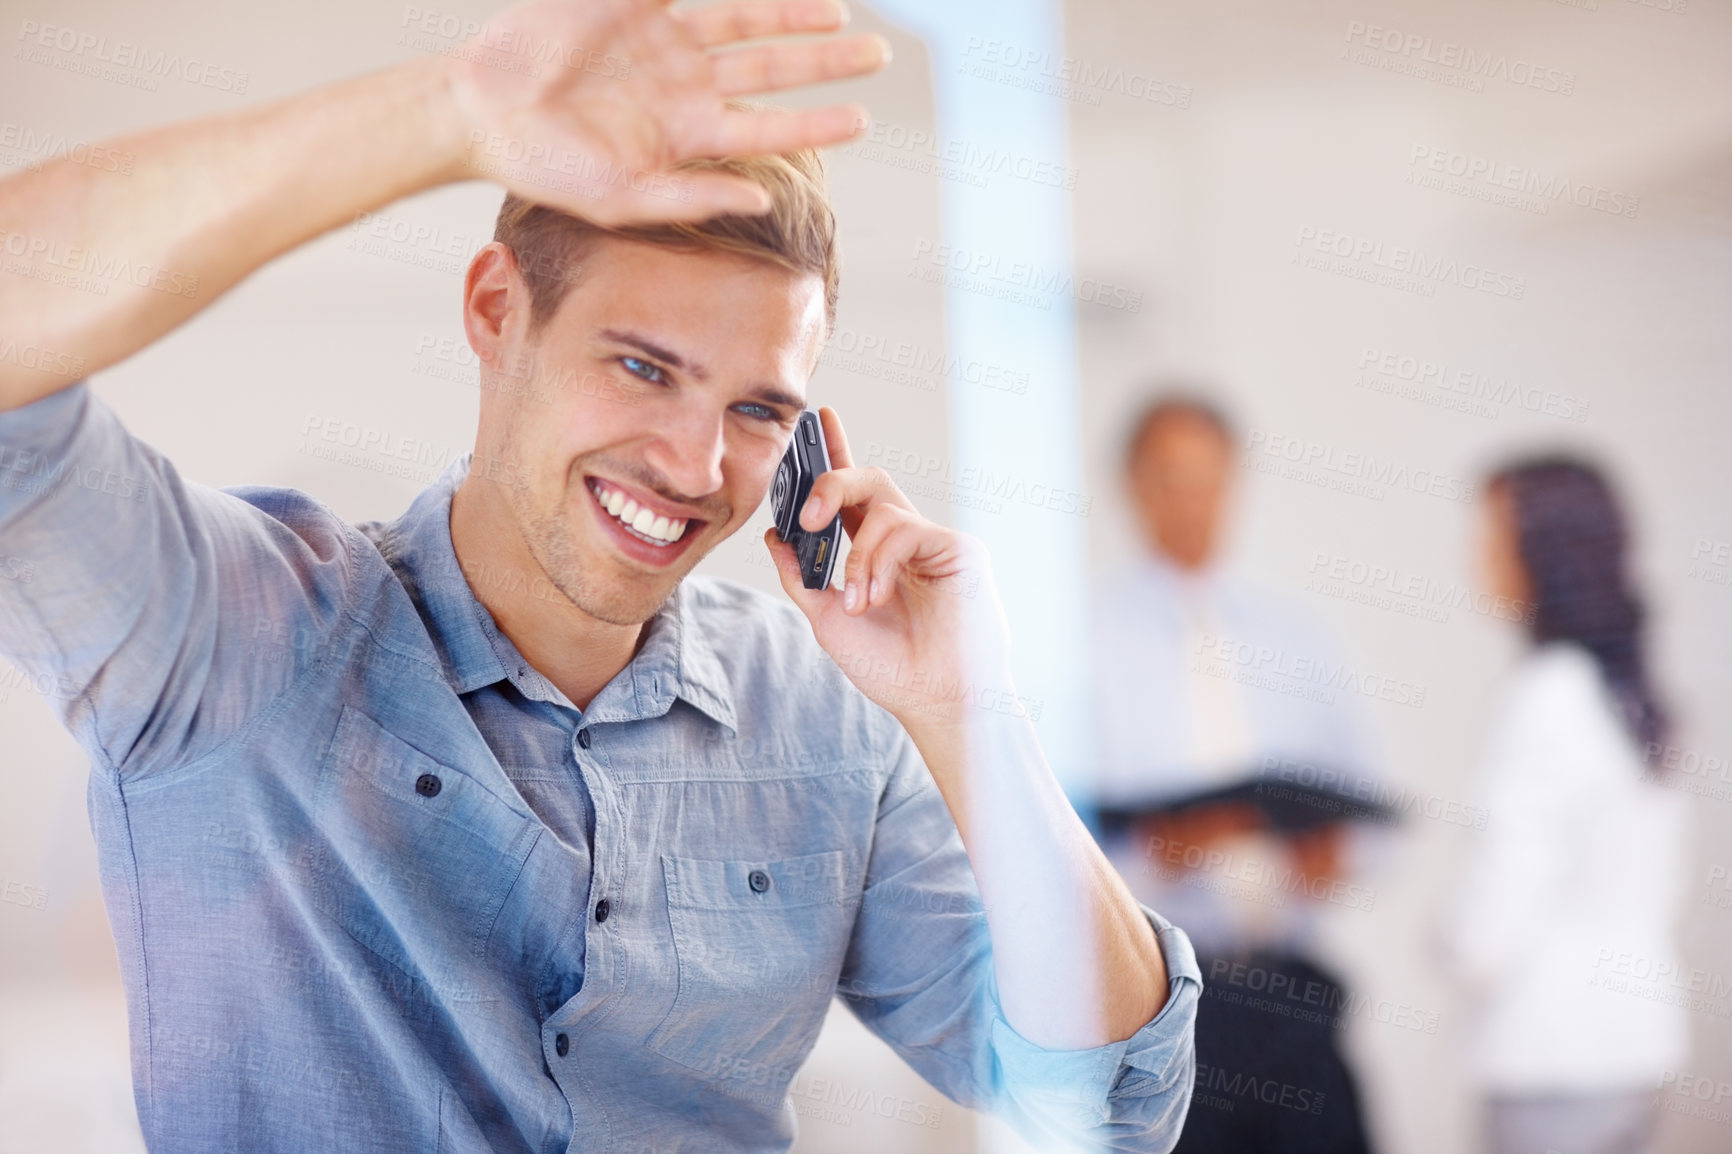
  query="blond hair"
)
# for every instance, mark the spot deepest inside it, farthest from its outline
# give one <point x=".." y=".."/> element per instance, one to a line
<point x="798" y="233"/>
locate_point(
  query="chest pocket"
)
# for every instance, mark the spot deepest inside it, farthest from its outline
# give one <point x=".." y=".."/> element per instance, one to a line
<point x="759" y="946"/>
<point x="416" y="858"/>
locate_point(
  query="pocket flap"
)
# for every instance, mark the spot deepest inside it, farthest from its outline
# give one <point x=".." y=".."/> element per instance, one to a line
<point x="811" y="880"/>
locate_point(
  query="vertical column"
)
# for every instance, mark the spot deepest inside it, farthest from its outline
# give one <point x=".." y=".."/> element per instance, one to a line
<point x="1010" y="297"/>
<point x="1005" y="262"/>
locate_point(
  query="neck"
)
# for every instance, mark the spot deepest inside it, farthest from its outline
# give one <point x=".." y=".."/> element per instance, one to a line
<point x="1190" y="565"/>
<point x="578" y="653"/>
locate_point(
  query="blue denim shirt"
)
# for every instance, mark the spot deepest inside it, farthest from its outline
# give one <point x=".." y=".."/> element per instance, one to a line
<point x="376" y="882"/>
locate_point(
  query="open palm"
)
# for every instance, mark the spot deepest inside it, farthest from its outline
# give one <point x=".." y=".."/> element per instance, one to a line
<point x="589" y="105"/>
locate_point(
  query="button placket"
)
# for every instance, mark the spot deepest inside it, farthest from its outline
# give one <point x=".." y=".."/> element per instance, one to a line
<point x="602" y="908"/>
<point x="609" y="857"/>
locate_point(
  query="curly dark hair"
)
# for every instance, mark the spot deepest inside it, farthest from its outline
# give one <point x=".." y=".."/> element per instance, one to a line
<point x="1574" y="541"/>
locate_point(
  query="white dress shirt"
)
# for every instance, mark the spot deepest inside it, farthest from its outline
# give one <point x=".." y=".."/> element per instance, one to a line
<point x="1164" y="725"/>
<point x="1562" y="924"/>
<point x="1167" y="723"/>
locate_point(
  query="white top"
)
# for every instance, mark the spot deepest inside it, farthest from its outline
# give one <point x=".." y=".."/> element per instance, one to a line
<point x="1565" y="912"/>
<point x="1173" y="716"/>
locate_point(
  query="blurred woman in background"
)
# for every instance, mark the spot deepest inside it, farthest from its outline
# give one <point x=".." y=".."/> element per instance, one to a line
<point x="1571" y="895"/>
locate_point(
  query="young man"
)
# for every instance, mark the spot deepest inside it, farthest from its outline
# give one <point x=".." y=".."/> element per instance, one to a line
<point x="488" y="829"/>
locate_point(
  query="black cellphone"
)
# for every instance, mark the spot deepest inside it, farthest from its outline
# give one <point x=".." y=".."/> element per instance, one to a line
<point x="806" y="458"/>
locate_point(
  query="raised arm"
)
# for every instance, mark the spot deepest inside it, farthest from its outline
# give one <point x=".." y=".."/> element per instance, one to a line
<point x="161" y="614"/>
<point x="1088" y="984"/>
<point x="525" y="103"/>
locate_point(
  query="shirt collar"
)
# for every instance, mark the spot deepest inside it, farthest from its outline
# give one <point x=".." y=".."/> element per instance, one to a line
<point x="1158" y="566"/>
<point x="678" y="657"/>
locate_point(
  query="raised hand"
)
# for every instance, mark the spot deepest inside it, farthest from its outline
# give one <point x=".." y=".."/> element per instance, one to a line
<point x="587" y="105"/>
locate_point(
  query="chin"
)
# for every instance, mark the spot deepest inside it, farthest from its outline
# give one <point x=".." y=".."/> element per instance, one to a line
<point x="620" y="606"/>
<point x="621" y="596"/>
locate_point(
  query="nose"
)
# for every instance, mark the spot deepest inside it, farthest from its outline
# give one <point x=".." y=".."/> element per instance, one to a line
<point x="687" y="450"/>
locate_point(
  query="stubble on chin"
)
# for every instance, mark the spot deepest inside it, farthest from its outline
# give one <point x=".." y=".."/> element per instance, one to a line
<point x="617" y="597"/>
<point x="599" y="585"/>
<point x="545" y="521"/>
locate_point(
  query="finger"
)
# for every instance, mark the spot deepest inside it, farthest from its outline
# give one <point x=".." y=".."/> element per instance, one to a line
<point x="841" y="457"/>
<point x="901" y="557"/>
<point x="752" y="19"/>
<point x="764" y="130"/>
<point x="895" y="556"/>
<point x="863" y="561"/>
<point x="666" y="198"/>
<point x="773" y="67"/>
<point x="843" y="490"/>
<point x="835" y="439"/>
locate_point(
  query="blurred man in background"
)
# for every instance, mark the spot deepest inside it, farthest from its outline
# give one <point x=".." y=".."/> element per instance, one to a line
<point x="1198" y="788"/>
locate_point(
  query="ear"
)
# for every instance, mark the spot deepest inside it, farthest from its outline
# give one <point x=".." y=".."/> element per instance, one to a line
<point x="495" y="307"/>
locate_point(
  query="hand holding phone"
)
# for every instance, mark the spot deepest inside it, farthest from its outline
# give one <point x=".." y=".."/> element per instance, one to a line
<point x="806" y="458"/>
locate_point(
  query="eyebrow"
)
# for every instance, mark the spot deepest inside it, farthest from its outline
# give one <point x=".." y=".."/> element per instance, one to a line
<point x="777" y="396"/>
<point x="674" y="360"/>
<point x="767" y="393"/>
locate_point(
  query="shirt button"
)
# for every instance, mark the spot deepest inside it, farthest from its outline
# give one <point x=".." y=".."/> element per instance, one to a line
<point x="583" y="738"/>
<point x="427" y="785"/>
<point x="561" y="1045"/>
<point x="602" y="909"/>
<point x="758" y="880"/>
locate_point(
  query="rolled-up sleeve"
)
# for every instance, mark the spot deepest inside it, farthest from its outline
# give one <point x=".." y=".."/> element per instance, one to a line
<point x="1129" y="1095"/>
<point x="919" y="974"/>
<point x="156" y="614"/>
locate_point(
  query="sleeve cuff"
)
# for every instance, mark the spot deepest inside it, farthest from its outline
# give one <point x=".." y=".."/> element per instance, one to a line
<point x="1157" y="1048"/>
<point x="1073" y="1088"/>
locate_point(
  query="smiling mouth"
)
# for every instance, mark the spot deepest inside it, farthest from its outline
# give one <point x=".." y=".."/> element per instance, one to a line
<point x="641" y="522"/>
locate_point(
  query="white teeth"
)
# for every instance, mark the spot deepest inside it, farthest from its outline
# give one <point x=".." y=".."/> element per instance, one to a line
<point x="641" y="520"/>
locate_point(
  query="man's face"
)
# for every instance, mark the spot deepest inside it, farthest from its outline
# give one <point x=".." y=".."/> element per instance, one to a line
<point x="662" y="393"/>
<point x="1180" y="481"/>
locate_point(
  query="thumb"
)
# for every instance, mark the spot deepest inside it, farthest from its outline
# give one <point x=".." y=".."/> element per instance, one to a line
<point x="810" y="601"/>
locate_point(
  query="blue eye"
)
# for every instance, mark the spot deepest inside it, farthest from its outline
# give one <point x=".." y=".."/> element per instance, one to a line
<point x="756" y="412"/>
<point x="638" y="367"/>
